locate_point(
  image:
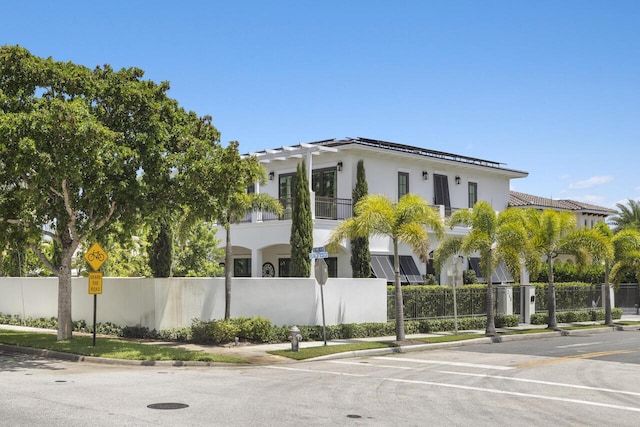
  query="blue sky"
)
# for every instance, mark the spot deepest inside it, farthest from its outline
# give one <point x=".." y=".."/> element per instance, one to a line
<point x="548" y="87"/>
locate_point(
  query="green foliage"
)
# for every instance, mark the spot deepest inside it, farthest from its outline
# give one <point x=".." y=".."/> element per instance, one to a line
<point x="301" y="240"/>
<point x="197" y="253"/>
<point x="430" y="280"/>
<point x="627" y="217"/>
<point x="569" y="296"/>
<point x="88" y="147"/>
<point x="360" y="256"/>
<point x="575" y="316"/>
<point x="437" y="301"/>
<point x="448" y="324"/>
<point x="469" y="277"/>
<point x="569" y="272"/>
<point x="127" y="255"/>
<point x="254" y="329"/>
<point x="214" y="331"/>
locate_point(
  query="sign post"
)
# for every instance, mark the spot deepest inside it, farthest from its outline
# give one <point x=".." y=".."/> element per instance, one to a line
<point x="95" y="256"/>
<point x="321" y="271"/>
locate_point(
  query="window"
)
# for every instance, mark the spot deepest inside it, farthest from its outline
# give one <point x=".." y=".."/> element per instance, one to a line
<point x="285" y="192"/>
<point x="332" y="266"/>
<point x="441" y="192"/>
<point x="284" y="267"/>
<point x="242" y="267"/>
<point x="473" y="194"/>
<point x="324" y="184"/>
<point x="403" y="184"/>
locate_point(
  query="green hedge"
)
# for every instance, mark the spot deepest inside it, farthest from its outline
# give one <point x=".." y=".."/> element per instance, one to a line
<point x="437" y="301"/>
<point x="575" y="316"/>
<point x="569" y="295"/>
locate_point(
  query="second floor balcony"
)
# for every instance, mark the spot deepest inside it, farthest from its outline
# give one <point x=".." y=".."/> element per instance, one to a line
<point x="331" y="208"/>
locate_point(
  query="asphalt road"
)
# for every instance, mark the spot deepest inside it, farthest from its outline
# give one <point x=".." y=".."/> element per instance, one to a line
<point x="588" y="380"/>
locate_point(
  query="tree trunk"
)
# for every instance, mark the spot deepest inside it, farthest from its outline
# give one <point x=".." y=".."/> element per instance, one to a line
<point x="551" y="303"/>
<point x="491" y="318"/>
<point x="398" y="291"/>
<point x="608" y="319"/>
<point x="228" y="260"/>
<point x="65" y="323"/>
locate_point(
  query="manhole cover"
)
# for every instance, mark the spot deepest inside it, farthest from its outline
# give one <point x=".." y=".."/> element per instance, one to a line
<point x="168" y="406"/>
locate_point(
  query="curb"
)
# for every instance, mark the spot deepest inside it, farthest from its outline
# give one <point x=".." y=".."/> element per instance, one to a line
<point x="70" y="357"/>
<point x="482" y="340"/>
<point x="344" y="355"/>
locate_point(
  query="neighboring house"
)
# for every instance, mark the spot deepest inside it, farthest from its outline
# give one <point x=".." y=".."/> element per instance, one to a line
<point x="448" y="181"/>
<point x="587" y="215"/>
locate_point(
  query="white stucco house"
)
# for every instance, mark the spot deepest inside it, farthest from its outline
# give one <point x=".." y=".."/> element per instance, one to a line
<point x="448" y="181"/>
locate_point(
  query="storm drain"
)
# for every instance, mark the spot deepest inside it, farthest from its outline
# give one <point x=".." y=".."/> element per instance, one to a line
<point x="354" y="416"/>
<point x="168" y="405"/>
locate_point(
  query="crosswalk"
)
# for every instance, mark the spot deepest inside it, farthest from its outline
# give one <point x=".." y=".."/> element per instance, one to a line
<point x="508" y="379"/>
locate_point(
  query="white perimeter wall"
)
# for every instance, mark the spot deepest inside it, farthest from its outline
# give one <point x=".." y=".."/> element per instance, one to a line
<point x="169" y="303"/>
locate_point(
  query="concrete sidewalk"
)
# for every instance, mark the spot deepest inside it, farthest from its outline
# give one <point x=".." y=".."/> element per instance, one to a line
<point x="258" y="353"/>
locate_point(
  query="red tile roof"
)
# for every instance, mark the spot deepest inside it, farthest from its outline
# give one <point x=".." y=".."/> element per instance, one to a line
<point x="521" y="200"/>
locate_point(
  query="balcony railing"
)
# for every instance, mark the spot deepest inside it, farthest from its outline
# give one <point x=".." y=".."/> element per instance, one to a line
<point x="327" y="208"/>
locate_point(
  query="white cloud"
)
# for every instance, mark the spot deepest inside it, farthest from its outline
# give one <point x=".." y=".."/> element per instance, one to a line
<point x="591" y="182"/>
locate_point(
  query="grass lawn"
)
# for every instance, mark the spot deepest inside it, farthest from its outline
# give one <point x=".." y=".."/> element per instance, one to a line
<point x="321" y="350"/>
<point x="112" y="348"/>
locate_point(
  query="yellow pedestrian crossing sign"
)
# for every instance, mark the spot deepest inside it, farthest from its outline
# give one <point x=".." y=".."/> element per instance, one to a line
<point x="96" y="256"/>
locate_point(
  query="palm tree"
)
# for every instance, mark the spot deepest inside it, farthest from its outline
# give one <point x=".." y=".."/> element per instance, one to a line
<point x="606" y="232"/>
<point x="628" y="216"/>
<point x="496" y="237"/>
<point x="553" y="232"/>
<point x="626" y="246"/>
<point x="238" y="206"/>
<point x="406" y="221"/>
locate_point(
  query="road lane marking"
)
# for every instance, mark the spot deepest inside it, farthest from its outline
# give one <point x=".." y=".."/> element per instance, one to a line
<point x="440" y="362"/>
<point x="524" y="380"/>
<point x="513" y="393"/>
<point x="282" y="368"/>
<point x="469" y="388"/>
<point x="342" y="362"/>
<point x="579" y="345"/>
<point x="574" y="357"/>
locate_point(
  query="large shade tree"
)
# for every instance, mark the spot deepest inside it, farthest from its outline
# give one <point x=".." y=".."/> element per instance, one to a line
<point x="554" y="232"/>
<point x="496" y="237"/>
<point x="82" y="148"/>
<point x="409" y="221"/>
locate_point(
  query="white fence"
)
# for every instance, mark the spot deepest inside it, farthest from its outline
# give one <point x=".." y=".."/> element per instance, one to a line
<point x="174" y="302"/>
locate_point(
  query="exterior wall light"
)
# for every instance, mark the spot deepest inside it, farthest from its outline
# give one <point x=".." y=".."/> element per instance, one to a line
<point x="271" y="175"/>
<point x="457" y="179"/>
<point x="425" y="175"/>
<point x="339" y="165"/>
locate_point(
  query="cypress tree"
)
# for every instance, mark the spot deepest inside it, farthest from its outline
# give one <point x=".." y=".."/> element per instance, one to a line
<point x="360" y="256"/>
<point x="161" y="251"/>
<point x="301" y="240"/>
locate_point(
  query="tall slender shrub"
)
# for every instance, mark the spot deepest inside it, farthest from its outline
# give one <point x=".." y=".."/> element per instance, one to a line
<point x="301" y="240"/>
